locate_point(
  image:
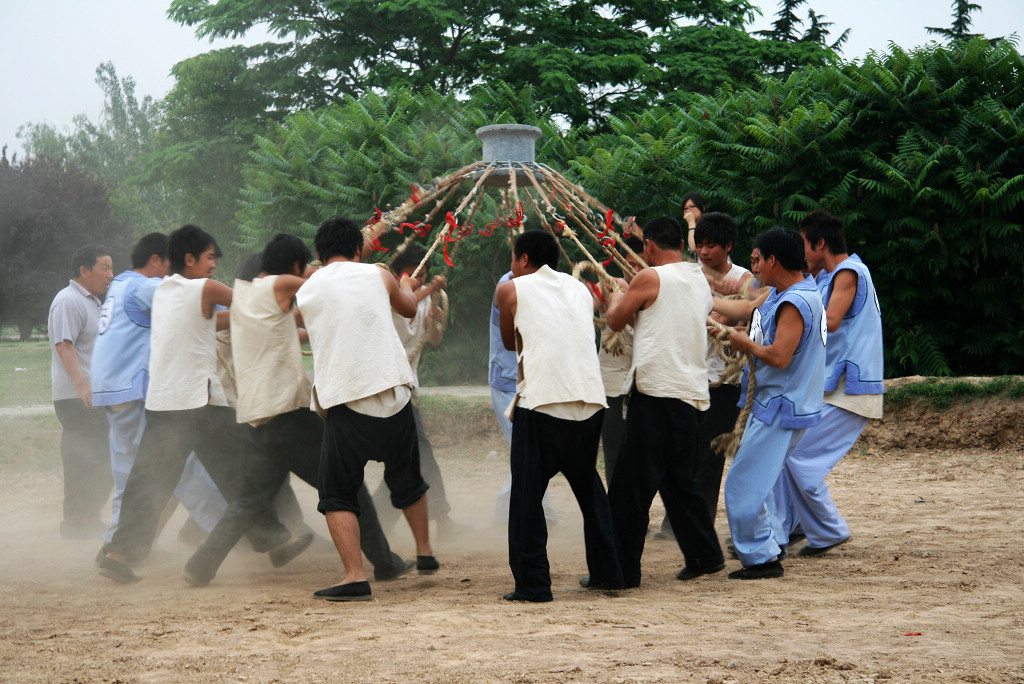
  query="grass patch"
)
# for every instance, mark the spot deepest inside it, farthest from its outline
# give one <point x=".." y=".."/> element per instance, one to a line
<point x="941" y="394"/>
<point x="24" y="373"/>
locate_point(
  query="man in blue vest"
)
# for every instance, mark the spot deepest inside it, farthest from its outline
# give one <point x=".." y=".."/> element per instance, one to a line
<point x="853" y="386"/>
<point x="787" y="341"/>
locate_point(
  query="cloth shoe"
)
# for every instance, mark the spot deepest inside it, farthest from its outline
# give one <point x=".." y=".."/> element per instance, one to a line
<point x="286" y="553"/>
<point x="688" y="573"/>
<point x="353" y="591"/>
<point x="516" y="596"/>
<point x="395" y="572"/>
<point x="809" y="551"/>
<point x="426" y="565"/>
<point x="117" y="571"/>
<point x="760" y="571"/>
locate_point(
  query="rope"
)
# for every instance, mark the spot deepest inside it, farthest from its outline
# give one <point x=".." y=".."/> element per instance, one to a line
<point x="613" y="343"/>
<point x="729" y="442"/>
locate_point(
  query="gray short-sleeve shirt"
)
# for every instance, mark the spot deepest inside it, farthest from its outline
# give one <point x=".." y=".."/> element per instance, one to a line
<point x="74" y="317"/>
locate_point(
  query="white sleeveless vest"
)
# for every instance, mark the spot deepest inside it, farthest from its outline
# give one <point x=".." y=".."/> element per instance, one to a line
<point x="183" y="353"/>
<point x="356" y="351"/>
<point x="716" y="366"/>
<point x="670" y="338"/>
<point x="555" y="334"/>
<point x="269" y="374"/>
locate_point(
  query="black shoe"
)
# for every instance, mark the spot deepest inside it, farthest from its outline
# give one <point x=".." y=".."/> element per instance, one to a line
<point x="665" y="535"/>
<point x="812" y="551"/>
<point x="100" y="556"/>
<point x="427" y="565"/>
<point x="759" y="571"/>
<point x="797" y="537"/>
<point x="353" y="591"/>
<point x="286" y="553"/>
<point x="194" y="578"/>
<point x="783" y="551"/>
<point x="516" y="596"/>
<point x="599" y="586"/>
<point x="395" y="572"/>
<point x="688" y="573"/>
<point x="117" y="571"/>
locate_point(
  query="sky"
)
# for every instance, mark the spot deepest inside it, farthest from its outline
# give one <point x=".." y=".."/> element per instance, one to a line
<point x="49" y="49"/>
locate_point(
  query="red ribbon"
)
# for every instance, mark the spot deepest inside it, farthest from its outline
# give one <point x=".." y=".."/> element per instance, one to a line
<point x="415" y="197"/>
<point x="376" y="247"/>
<point x="595" y="289"/>
<point x="420" y="228"/>
<point x="377" y="216"/>
<point x="453" y="226"/>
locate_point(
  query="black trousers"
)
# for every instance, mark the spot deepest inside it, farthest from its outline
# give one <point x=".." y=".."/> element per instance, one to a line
<point x="437" y="500"/>
<point x="718" y="419"/>
<point x="612" y="427"/>
<point x="85" y="453"/>
<point x="169" y="437"/>
<point x="541" y="447"/>
<point x="291" y="442"/>
<point x="659" y="451"/>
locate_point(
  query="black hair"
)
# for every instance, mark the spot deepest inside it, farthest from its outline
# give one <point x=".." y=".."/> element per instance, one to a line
<point x="86" y="257"/>
<point x="819" y="225"/>
<point x="147" y="246"/>
<point x="284" y="251"/>
<point x="635" y="244"/>
<point x="540" y="246"/>
<point x="697" y="199"/>
<point x="407" y="261"/>
<point x="718" y="229"/>
<point x="785" y="244"/>
<point x="665" y="232"/>
<point x="189" y="239"/>
<point x="338" y="236"/>
<point x="250" y="267"/>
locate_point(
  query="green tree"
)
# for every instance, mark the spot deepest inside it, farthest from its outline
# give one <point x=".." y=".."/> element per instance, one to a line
<point x="114" y="147"/>
<point x="961" y="26"/>
<point x="920" y="153"/>
<point x="48" y="209"/>
<point x="585" y="60"/>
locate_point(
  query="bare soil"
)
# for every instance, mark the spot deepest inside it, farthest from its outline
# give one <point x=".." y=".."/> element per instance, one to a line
<point x="930" y="588"/>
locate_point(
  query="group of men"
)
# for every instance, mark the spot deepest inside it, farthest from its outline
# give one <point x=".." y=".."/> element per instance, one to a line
<point x="219" y="419"/>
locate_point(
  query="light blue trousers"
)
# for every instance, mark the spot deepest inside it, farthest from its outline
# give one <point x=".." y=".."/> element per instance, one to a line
<point x="500" y="401"/>
<point x="801" y="498"/>
<point x="196" y="490"/>
<point x="748" y="488"/>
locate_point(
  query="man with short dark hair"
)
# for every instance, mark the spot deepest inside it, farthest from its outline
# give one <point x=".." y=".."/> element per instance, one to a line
<point x="362" y="385"/>
<point x="668" y="384"/>
<point x="120" y="375"/>
<point x="854" y="370"/>
<point x="186" y="409"/>
<point x="547" y="317"/>
<point x="72" y="326"/>
<point x="280" y="432"/>
<point x="787" y="340"/>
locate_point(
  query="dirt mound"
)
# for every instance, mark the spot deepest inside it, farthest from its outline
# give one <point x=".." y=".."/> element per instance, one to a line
<point x="980" y="422"/>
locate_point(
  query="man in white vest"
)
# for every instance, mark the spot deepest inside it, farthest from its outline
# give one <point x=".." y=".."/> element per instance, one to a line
<point x="280" y="432"/>
<point x="668" y="388"/>
<point x="186" y="409"/>
<point x="547" y="317"/>
<point x="362" y="384"/>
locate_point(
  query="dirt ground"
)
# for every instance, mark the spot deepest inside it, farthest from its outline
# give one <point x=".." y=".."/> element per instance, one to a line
<point x="930" y="588"/>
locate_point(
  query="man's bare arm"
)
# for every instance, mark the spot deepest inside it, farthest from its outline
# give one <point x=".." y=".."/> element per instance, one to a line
<point x="640" y="294"/>
<point x="788" y="330"/>
<point x="844" y="289"/>
<point x="506" y="301"/>
<point x="401" y="295"/>
<point x="69" y="359"/>
<point x="215" y="293"/>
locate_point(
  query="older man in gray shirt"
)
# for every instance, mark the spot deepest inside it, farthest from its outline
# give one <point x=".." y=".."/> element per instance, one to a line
<point x="72" y="326"/>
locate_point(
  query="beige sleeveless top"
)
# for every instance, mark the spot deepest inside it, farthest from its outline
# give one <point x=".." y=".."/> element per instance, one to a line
<point x="557" y="353"/>
<point x="356" y="351"/>
<point x="183" y="347"/>
<point x="269" y="374"/>
<point x="670" y="338"/>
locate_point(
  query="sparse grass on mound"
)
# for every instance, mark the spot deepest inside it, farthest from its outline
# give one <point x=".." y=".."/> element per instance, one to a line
<point x="939" y="393"/>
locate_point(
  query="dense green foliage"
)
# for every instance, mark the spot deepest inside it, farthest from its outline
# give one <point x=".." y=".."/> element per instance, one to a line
<point x="921" y="153"/>
<point x="585" y="59"/>
<point x="48" y="209"/>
